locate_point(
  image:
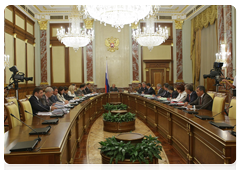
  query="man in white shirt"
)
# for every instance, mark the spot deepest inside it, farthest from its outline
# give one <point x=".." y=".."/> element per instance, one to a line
<point x="233" y="86"/>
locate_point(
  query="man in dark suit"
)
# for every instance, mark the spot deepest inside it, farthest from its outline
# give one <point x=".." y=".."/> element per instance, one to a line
<point x="173" y="93"/>
<point x="150" y="89"/>
<point x="79" y="92"/>
<point x="84" y="91"/>
<point x="45" y="100"/>
<point x="88" y="88"/>
<point x="160" y="89"/>
<point x="36" y="104"/>
<point x="113" y="88"/>
<point x="144" y="88"/>
<point x="54" y="98"/>
<point x="191" y="95"/>
<point x="65" y="94"/>
<point x="204" y="101"/>
<point x="165" y="93"/>
<point x="140" y="89"/>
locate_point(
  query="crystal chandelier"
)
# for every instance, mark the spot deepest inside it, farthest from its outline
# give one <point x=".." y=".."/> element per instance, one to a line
<point x="148" y="37"/>
<point x="76" y="36"/>
<point x="118" y="15"/>
<point x="6" y="61"/>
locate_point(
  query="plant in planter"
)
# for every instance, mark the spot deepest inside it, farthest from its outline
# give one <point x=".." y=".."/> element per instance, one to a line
<point x="143" y="152"/>
<point x="110" y="107"/>
<point x="127" y="117"/>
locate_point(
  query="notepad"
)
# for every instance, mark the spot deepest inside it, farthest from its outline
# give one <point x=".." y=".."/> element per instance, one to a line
<point x="44" y="113"/>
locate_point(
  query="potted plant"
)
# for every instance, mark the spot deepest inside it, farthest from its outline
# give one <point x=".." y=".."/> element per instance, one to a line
<point x="110" y="107"/>
<point x="118" y="122"/>
<point x="148" y="151"/>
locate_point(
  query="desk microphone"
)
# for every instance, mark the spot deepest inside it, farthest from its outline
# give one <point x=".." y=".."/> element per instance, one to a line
<point x="39" y="139"/>
<point x="194" y="112"/>
<point x="53" y="121"/>
<point x="232" y="132"/>
<point x="205" y="117"/>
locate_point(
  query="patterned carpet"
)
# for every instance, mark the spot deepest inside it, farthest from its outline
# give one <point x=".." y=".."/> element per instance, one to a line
<point x="97" y="134"/>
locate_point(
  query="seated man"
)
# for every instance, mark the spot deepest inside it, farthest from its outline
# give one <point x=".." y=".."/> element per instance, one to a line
<point x="144" y="88"/>
<point x="165" y="93"/>
<point x="54" y="98"/>
<point x="79" y="92"/>
<point x="36" y="104"/>
<point x="150" y="89"/>
<point x="88" y="88"/>
<point x="204" y="101"/>
<point x="173" y="93"/>
<point x="65" y="94"/>
<point x="84" y="89"/>
<point x="139" y="89"/>
<point x="46" y="97"/>
<point x="160" y="89"/>
<point x="191" y="95"/>
<point x="113" y="88"/>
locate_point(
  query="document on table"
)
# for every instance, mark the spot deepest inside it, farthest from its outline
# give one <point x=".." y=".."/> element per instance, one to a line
<point x="44" y="113"/>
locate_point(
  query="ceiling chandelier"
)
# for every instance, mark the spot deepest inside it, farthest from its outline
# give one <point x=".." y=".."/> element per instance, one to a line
<point x="118" y="15"/>
<point x="76" y="36"/>
<point x="148" y="37"/>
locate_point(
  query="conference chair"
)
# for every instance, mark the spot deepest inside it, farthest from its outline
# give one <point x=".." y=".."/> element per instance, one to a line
<point x="218" y="104"/>
<point x="25" y="105"/>
<point x="28" y="96"/>
<point x="10" y="99"/>
<point x="12" y="108"/>
<point x="232" y="111"/>
<point x="211" y="93"/>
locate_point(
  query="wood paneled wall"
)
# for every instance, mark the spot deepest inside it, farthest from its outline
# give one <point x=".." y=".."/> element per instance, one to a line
<point x="21" y="28"/>
<point x="63" y="67"/>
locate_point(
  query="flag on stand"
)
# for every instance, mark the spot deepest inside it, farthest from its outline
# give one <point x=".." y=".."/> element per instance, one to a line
<point x="106" y="80"/>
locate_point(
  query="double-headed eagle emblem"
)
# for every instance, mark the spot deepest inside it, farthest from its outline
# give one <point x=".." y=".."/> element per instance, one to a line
<point x="112" y="44"/>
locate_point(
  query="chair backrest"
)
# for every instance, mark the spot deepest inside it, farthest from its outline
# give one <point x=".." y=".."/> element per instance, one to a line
<point x="25" y="105"/>
<point x="28" y="96"/>
<point x="232" y="111"/>
<point x="211" y="93"/>
<point x="11" y="99"/>
<point x="12" y="108"/>
<point x="218" y="104"/>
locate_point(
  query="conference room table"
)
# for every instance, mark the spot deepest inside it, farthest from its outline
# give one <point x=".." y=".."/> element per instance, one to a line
<point x="196" y="140"/>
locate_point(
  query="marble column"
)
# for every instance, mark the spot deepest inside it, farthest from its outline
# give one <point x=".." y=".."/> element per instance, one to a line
<point x="220" y="27"/>
<point x="43" y="51"/>
<point x="178" y="26"/>
<point x="89" y="52"/>
<point x="228" y="15"/>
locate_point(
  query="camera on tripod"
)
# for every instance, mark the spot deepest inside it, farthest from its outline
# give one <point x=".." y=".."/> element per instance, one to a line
<point x="19" y="76"/>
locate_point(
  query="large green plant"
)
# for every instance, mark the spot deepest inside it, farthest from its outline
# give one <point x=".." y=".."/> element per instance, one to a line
<point x="127" y="117"/>
<point x="149" y="147"/>
<point x="110" y="107"/>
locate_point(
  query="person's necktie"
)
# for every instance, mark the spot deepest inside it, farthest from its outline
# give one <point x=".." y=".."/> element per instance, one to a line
<point x="200" y="100"/>
<point x="189" y="97"/>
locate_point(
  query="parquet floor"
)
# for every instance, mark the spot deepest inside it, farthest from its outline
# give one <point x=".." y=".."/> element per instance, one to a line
<point x="173" y="157"/>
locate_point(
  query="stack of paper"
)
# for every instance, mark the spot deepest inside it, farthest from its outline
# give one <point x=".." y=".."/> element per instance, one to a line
<point x="44" y="113"/>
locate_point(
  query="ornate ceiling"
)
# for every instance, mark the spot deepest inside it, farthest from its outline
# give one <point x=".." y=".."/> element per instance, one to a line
<point x="60" y="12"/>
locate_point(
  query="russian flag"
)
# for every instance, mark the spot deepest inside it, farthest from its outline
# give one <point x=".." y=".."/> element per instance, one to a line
<point x="106" y="80"/>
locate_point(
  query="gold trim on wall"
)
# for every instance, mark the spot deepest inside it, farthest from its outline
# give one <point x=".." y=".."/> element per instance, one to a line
<point x="88" y="23"/>
<point x="43" y="25"/>
<point x="178" y="24"/>
<point x="179" y="81"/>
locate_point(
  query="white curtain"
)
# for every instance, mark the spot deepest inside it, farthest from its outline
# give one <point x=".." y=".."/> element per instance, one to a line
<point x="208" y="50"/>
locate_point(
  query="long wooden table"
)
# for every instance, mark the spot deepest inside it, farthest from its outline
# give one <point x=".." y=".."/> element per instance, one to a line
<point x="196" y="140"/>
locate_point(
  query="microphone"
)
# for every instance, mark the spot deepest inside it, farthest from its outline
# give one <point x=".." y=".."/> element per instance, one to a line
<point x="54" y="121"/>
<point x="44" y="108"/>
<point x="205" y="117"/>
<point x="232" y="132"/>
<point x="194" y="112"/>
<point x="39" y="139"/>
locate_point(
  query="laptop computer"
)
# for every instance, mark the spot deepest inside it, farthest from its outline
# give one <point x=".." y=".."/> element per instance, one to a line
<point x="40" y="131"/>
<point x="24" y="146"/>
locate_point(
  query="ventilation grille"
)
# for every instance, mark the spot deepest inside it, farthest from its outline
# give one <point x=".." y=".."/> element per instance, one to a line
<point x="188" y="14"/>
<point x="27" y="10"/>
<point x="56" y="17"/>
<point x="198" y="6"/>
<point x="66" y="17"/>
<point x="164" y="17"/>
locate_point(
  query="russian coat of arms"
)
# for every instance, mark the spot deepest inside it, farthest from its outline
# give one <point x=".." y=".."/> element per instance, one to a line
<point x="112" y="44"/>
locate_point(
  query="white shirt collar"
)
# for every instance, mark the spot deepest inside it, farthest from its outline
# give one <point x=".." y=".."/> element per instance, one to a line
<point x="202" y="95"/>
<point x="37" y="98"/>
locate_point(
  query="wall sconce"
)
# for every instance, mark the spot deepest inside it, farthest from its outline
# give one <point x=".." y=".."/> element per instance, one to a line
<point x="6" y="60"/>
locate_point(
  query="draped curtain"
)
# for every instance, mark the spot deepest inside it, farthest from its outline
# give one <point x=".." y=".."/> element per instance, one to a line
<point x="208" y="16"/>
<point x="208" y="50"/>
